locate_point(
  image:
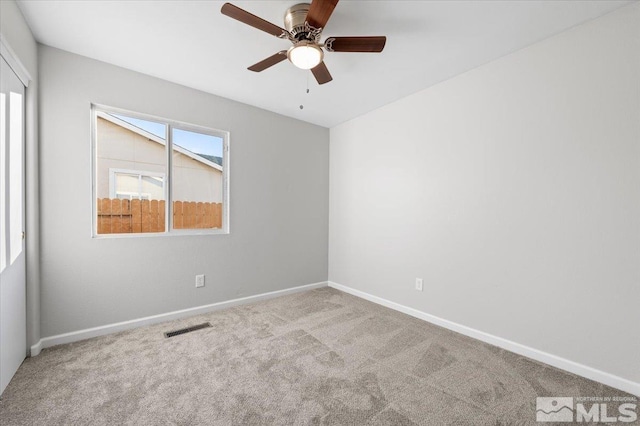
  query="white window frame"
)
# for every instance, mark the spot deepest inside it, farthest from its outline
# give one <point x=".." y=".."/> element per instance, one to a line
<point x="167" y="178"/>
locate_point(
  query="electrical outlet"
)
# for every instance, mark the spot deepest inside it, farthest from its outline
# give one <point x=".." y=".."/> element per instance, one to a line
<point x="199" y="280"/>
<point x="419" y="284"/>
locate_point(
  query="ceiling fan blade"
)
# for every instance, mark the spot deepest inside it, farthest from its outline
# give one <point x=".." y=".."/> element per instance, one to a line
<point x="320" y="11"/>
<point x="269" y="62"/>
<point x="250" y="19"/>
<point x="355" y="44"/>
<point x="321" y="73"/>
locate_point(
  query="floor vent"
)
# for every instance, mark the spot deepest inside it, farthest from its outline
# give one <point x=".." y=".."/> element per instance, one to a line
<point x="187" y="330"/>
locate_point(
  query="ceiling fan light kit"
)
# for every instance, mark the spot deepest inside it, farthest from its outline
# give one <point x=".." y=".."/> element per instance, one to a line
<point x="304" y="23"/>
<point x="305" y="55"/>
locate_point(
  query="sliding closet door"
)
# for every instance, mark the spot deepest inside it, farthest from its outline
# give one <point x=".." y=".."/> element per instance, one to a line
<point x="13" y="335"/>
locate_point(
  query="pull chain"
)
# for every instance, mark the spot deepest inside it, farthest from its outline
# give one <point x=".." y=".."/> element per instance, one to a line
<point x="302" y="106"/>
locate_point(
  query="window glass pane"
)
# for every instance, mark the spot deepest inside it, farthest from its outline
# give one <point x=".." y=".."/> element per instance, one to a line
<point x="152" y="186"/>
<point x="127" y="184"/>
<point x="197" y="180"/>
<point x="130" y="174"/>
<point x="16" y="171"/>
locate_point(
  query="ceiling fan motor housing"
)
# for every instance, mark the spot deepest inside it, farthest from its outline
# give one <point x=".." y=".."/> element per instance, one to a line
<point x="295" y="22"/>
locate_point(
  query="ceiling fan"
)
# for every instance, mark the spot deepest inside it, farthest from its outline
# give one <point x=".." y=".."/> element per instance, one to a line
<point x="304" y="23"/>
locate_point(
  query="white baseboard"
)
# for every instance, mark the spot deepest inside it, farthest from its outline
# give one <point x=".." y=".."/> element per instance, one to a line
<point x="88" y="333"/>
<point x="36" y="349"/>
<point x="547" y="358"/>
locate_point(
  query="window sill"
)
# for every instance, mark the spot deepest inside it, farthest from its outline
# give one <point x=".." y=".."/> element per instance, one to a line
<point x="176" y="233"/>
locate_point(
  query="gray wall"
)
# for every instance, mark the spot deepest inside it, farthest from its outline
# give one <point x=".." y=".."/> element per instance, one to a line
<point x="513" y="190"/>
<point x="279" y="203"/>
<point x="16" y="32"/>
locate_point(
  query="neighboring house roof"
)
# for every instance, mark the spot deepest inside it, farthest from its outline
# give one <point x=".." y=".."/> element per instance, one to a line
<point x="213" y="158"/>
<point x="209" y="160"/>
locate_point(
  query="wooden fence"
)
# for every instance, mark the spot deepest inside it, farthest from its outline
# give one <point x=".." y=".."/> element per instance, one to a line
<point x="117" y="216"/>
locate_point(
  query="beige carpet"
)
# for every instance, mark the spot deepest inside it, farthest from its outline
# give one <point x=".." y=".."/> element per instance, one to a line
<point x="319" y="357"/>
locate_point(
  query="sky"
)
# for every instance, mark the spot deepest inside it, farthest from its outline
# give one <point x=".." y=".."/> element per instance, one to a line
<point x="195" y="142"/>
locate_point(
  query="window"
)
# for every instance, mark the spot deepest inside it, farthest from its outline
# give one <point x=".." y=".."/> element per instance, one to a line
<point x="135" y="184"/>
<point x="157" y="176"/>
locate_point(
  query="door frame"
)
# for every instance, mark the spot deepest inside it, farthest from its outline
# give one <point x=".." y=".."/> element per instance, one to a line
<point x="15" y="64"/>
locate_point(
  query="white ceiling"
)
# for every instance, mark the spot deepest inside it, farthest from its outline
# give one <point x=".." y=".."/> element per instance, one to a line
<point x="192" y="43"/>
